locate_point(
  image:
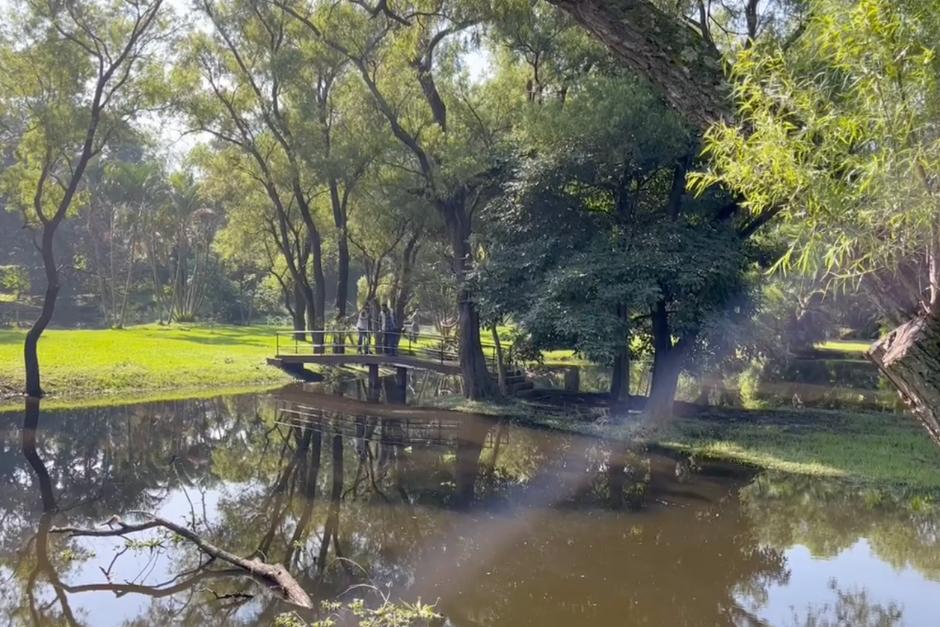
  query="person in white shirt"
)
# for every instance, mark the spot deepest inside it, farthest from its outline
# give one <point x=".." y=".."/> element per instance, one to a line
<point x="362" y="326"/>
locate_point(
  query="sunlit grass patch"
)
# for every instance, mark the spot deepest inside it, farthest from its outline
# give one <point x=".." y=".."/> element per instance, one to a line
<point x="562" y="357"/>
<point x="107" y="362"/>
<point x="878" y="448"/>
<point x="845" y="346"/>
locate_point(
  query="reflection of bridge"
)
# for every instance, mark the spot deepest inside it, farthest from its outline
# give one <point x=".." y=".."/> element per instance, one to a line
<point x="285" y="361"/>
<point x="389" y="424"/>
<point x="402" y="351"/>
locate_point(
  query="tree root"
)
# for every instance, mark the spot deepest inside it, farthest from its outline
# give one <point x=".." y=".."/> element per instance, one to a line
<point x="275" y="576"/>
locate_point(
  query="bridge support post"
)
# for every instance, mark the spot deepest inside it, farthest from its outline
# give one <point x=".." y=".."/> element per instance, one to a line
<point x="401" y="385"/>
<point x="373" y="382"/>
<point x="573" y="379"/>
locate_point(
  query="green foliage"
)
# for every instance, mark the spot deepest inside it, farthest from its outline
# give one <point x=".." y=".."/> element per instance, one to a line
<point x="52" y="60"/>
<point x="838" y="130"/>
<point x="586" y="227"/>
<point x="14" y="280"/>
<point x="357" y="612"/>
<point x="749" y="381"/>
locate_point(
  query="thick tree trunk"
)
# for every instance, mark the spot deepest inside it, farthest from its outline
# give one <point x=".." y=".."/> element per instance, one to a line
<point x="31" y="344"/>
<point x="299" y="308"/>
<point x="404" y="278"/>
<point x="909" y="357"/>
<point x="342" y="273"/>
<point x="662" y="48"/>
<point x="620" y="377"/>
<point x="476" y="379"/>
<point x="338" y="203"/>
<point x="500" y="362"/>
<point x="311" y="311"/>
<point x="666" y="365"/>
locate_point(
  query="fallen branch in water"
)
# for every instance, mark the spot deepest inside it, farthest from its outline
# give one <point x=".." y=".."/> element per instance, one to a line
<point x="275" y="575"/>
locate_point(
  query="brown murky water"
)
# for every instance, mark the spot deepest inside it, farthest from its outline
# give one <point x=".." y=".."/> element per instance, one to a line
<point x="496" y="524"/>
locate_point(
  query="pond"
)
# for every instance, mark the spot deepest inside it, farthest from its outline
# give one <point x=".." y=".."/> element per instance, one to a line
<point x="496" y="524"/>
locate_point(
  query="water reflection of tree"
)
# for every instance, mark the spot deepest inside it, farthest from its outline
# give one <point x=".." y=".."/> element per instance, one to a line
<point x="850" y="608"/>
<point x="829" y="516"/>
<point x="302" y="496"/>
<point x="137" y="461"/>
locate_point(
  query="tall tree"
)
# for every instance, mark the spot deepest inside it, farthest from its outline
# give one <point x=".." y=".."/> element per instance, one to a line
<point x="220" y="98"/>
<point x="595" y="245"/>
<point x="75" y="78"/>
<point x="399" y="55"/>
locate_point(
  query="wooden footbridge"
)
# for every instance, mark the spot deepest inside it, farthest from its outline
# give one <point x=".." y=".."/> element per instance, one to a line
<point x="294" y="350"/>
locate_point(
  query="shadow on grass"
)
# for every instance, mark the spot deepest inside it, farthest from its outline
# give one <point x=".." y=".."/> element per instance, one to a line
<point x="218" y="338"/>
<point x="9" y="336"/>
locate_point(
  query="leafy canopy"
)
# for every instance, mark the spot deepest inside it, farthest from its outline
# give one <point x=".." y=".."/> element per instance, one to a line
<point x="840" y="132"/>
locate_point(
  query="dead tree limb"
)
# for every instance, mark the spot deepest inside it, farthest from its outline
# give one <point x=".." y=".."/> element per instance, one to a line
<point x="274" y="575"/>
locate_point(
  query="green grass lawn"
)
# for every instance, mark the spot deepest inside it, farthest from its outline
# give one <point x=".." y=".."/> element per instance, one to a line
<point x="875" y="448"/>
<point x="849" y="347"/>
<point x="880" y="449"/>
<point x="84" y="363"/>
<point x="871" y="448"/>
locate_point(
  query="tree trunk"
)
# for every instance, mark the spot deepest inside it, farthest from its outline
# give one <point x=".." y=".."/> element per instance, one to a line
<point x="909" y="357"/>
<point x="342" y="273"/>
<point x="620" y="377"/>
<point x="122" y="316"/>
<point x="311" y="311"/>
<point x="317" y="306"/>
<point x="299" y="309"/>
<point x="500" y="362"/>
<point x="668" y="361"/>
<point x="620" y="374"/>
<point x="662" y="48"/>
<point x="667" y="366"/>
<point x="476" y="379"/>
<point x="404" y="278"/>
<point x="342" y="247"/>
<point x="30" y="346"/>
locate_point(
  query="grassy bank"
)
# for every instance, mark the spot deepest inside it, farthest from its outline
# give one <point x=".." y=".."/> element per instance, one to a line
<point x="878" y="449"/>
<point x="150" y="362"/>
<point x="874" y="448"/>
<point x="78" y="364"/>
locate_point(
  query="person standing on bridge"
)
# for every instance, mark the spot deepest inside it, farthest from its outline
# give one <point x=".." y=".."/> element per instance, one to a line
<point x="362" y="326"/>
<point x="415" y="328"/>
<point x="394" y="335"/>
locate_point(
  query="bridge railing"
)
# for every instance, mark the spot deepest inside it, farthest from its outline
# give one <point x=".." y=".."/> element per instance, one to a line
<point x="428" y="346"/>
